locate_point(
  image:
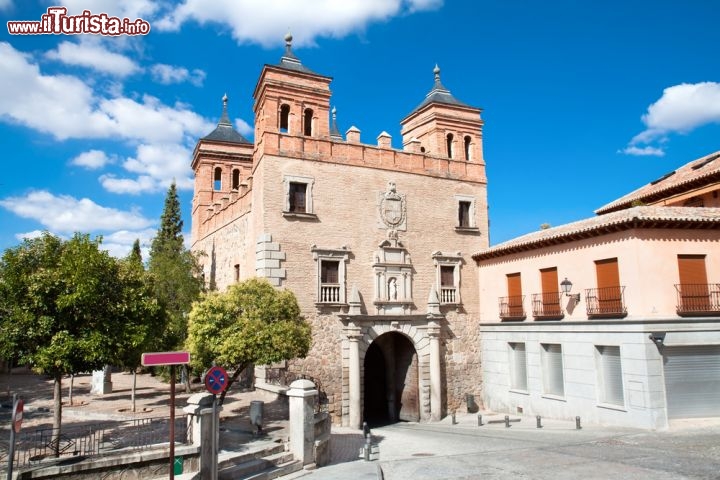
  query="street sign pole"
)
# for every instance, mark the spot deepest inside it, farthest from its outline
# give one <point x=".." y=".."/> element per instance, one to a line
<point x="172" y="422"/>
<point x="14" y="428"/>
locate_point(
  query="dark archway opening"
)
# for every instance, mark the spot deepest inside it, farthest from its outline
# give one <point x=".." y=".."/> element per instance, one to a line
<point x="391" y="381"/>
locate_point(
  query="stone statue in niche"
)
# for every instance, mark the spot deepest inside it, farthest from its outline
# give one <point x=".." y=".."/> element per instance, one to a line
<point x="392" y="289"/>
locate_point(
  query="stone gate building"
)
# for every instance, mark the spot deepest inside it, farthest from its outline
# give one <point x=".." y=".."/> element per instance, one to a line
<point x="375" y="241"/>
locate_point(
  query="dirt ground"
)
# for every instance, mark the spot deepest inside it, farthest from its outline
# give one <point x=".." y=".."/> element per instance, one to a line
<point x="152" y="397"/>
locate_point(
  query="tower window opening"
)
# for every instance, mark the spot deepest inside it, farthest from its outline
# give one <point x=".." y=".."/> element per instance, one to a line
<point x="449" y="145"/>
<point x="307" y="122"/>
<point x="236" y="179"/>
<point x="467" y="147"/>
<point x="217" y="179"/>
<point x="284" y="118"/>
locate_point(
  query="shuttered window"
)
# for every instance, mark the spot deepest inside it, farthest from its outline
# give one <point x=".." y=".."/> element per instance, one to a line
<point x="694" y="294"/>
<point x="553" y="381"/>
<point x="610" y="370"/>
<point x="329" y="271"/>
<point x="518" y="362"/>
<point x="514" y="294"/>
<point x="608" y="282"/>
<point x="297" y="197"/>
<point x="550" y="292"/>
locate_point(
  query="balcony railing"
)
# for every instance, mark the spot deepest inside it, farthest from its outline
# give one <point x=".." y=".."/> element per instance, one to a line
<point x="329" y="293"/>
<point x="546" y="306"/>
<point x="448" y="295"/>
<point x="511" y="308"/>
<point x="698" y="299"/>
<point x="607" y="302"/>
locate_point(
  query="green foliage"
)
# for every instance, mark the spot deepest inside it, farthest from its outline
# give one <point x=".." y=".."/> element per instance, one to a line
<point x="135" y="255"/>
<point x="175" y="273"/>
<point x="250" y="323"/>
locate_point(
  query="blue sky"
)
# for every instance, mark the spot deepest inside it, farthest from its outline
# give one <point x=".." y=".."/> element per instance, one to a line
<point x="583" y="101"/>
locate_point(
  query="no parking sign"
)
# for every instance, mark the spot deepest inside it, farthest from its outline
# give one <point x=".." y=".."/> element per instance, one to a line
<point x="216" y="380"/>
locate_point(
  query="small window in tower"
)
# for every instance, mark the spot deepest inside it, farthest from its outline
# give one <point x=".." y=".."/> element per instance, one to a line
<point x="464" y="214"/>
<point x="297" y="195"/>
<point x="284" y="118"/>
<point x="236" y="179"/>
<point x="307" y="122"/>
<point x="217" y="179"/>
<point x="237" y="273"/>
<point x="422" y="149"/>
<point x="449" y="145"/>
<point x="467" y="147"/>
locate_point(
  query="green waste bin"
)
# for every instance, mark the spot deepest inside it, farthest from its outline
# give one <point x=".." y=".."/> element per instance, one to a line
<point x="178" y="466"/>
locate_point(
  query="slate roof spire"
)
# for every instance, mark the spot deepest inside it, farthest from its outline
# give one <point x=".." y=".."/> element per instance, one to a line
<point x="439" y="94"/>
<point x="334" y="131"/>
<point x="224" y="132"/>
<point x="289" y="61"/>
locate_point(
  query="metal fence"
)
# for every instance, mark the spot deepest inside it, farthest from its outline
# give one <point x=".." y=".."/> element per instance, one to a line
<point x="74" y="442"/>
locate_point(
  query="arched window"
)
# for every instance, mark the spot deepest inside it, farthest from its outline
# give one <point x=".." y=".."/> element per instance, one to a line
<point x="284" y="118"/>
<point x="236" y="179"/>
<point x="467" y="147"/>
<point x="217" y="179"/>
<point x="449" y="145"/>
<point x="307" y="122"/>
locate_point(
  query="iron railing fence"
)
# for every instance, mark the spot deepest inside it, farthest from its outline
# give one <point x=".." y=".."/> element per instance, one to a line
<point x="33" y="447"/>
<point x="606" y="302"/>
<point x="511" y="308"/>
<point x="546" y="305"/>
<point x="695" y="299"/>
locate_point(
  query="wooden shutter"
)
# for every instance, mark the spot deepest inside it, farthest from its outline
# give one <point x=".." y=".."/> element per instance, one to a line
<point x="608" y="282"/>
<point x="329" y="271"/>
<point x="514" y="294"/>
<point x="447" y="276"/>
<point x="297" y="197"/>
<point x="550" y="293"/>
<point x="693" y="283"/>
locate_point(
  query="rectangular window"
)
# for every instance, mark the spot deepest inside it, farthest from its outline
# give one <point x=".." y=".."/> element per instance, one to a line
<point x="297" y="196"/>
<point x="518" y="366"/>
<point x="331" y="275"/>
<point x="464" y="214"/>
<point x="329" y="271"/>
<point x="515" y="296"/>
<point x="553" y="382"/>
<point x="693" y="287"/>
<point x="237" y="272"/>
<point x="550" y="292"/>
<point x="607" y="299"/>
<point x="447" y="276"/>
<point x="610" y="375"/>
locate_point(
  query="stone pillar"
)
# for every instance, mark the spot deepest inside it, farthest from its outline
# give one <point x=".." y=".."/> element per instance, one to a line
<point x="102" y="381"/>
<point x="204" y="432"/>
<point x="355" y="414"/>
<point x="435" y="380"/>
<point x="302" y="395"/>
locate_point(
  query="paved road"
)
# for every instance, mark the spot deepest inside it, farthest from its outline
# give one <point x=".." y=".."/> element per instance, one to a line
<point x="557" y="451"/>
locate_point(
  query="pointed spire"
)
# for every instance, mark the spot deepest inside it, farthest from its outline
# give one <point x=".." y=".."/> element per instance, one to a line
<point x="433" y="303"/>
<point x="355" y="303"/>
<point x="439" y="94"/>
<point x="289" y="60"/>
<point x="334" y="131"/>
<point x="225" y="118"/>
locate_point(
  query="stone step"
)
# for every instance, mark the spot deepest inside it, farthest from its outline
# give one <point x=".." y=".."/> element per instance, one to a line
<point x="256" y="467"/>
<point x="277" y="471"/>
<point x="254" y="451"/>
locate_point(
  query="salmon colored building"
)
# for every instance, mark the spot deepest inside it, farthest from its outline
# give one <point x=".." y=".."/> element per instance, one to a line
<point x="374" y="240"/>
<point x="615" y="318"/>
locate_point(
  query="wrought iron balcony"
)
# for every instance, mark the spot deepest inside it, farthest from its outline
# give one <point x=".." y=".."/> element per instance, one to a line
<point x="698" y="299"/>
<point x="511" y="308"/>
<point x="607" y="302"/>
<point x="546" y="306"/>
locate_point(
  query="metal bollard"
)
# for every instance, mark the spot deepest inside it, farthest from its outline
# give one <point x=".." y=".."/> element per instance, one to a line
<point x="507" y="421"/>
<point x="453" y="418"/>
<point x="577" y="423"/>
<point x="365" y="428"/>
<point x="367" y="447"/>
<point x="480" y="423"/>
<point x="538" y="420"/>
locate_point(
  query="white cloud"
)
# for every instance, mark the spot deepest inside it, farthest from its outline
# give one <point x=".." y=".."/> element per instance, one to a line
<point x="28" y="235"/>
<point x="643" y="151"/>
<point x="244" y="128"/>
<point x="92" y="160"/>
<point x="681" y="109"/>
<point x="131" y="9"/>
<point x="92" y="54"/>
<point x="168" y="74"/>
<point x="266" y="22"/>
<point x="67" y="214"/>
<point x="120" y="243"/>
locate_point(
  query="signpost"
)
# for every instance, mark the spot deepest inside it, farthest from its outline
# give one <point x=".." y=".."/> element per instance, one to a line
<point x="156" y="359"/>
<point x="16" y="421"/>
<point x="216" y="381"/>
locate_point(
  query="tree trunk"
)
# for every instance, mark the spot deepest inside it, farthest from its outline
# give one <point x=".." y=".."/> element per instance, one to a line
<point x="57" y="414"/>
<point x="186" y="378"/>
<point x="132" y="392"/>
<point x="70" y="392"/>
<point x="232" y="380"/>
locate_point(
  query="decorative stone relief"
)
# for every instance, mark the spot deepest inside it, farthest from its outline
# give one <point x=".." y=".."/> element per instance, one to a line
<point x="392" y="209"/>
<point x="393" y="277"/>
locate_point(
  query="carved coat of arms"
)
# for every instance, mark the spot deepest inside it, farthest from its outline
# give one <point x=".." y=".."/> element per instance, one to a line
<point x="393" y="208"/>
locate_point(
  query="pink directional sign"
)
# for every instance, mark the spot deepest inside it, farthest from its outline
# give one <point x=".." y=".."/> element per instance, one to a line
<point x="155" y="359"/>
